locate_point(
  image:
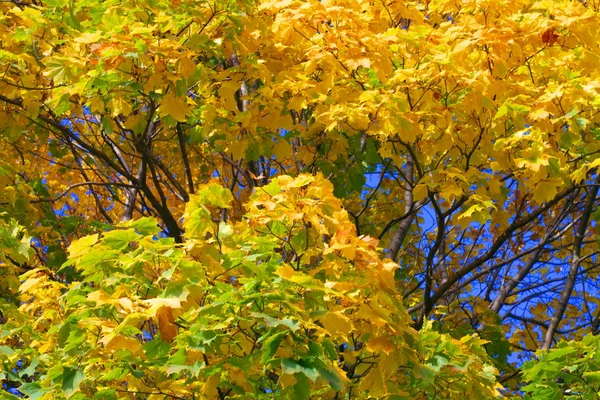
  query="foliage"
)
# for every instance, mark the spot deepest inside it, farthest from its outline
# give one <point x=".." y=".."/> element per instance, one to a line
<point x="569" y="371"/>
<point x="284" y="301"/>
<point x="400" y="182"/>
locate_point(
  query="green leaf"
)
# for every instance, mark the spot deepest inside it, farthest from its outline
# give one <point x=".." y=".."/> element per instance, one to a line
<point x="197" y="223"/>
<point x="75" y="339"/>
<point x="62" y="106"/>
<point x="225" y="230"/>
<point x="438" y="362"/>
<point x="98" y="261"/>
<point x="424" y="372"/>
<point x="30" y="370"/>
<point x="146" y="226"/>
<point x="572" y="113"/>
<point x="63" y="333"/>
<point x="302" y="181"/>
<point x="330" y="349"/>
<point x="334" y="380"/>
<point x="592" y="376"/>
<point x="217" y="195"/>
<point x="117" y="373"/>
<point x="244" y="363"/>
<point x="502" y="111"/>
<point x="119" y="239"/>
<point x="71" y="378"/>
<point x="174" y="369"/>
<point x="272" y="188"/>
<point x="560" y="352"/>
<point x="8" y="396"/>
<point x="156" y="348"/>
<point x="106" y="124"/>
<point x="291" y="366"/>
<point x="177" y="358"/>
<point x="271" y="345"/>
<point x="273" y="322"/>
<point x="106" y="394"/>
<point x="33" y="390"/>
<point x="252" y="152"/>
<point x="302" y="387"/>
<point x="194" y="369"/>
<point x="140" y="46"/>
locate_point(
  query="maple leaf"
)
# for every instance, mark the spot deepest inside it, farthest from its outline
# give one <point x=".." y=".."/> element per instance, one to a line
<point x="166" y="325"/>
<point x="189" y="196"/>
<point x="174" y="106"/>
<point x="59" y="70"/>
<point x="549" y="37"/>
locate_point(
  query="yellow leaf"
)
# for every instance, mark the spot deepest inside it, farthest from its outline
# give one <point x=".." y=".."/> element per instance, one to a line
<point x="209" y="390"/>
<point x="121" y="342"/>
<point x="373" y="383"/>
<point x="461" y="46"/>
<point x="135" y="122"/>
<point x="96" y="104"/>
<point x="579" y="174"/>
<point x="282" y="149"/>
<point x="389" y="363"/>
<point x="29" y="283"/>
<point x="58" y="69"/>
<point x="46" y="346"/>
<point x="238" y="377"/>
<point x="126" y="304"/>
<point x="119" y="106"/>
<point x="89" y="37"/>
<point x="451" y="191"/>
<point x="297" y="103"/>
<point x="381" y="343"/>
<point x="594" y="164"/>
<point x="301" y="181"/>
<point x="166" y="326"/>
<point x="156" y="303"/>
<point x="174" y="106"/>
<point x="81" y="246"/>
<point x="186" y="67"/>
<point x="546" y="190"/>
<point x="154" y="82"/>
<point x="286" y="272"/>
<point x="419" y="192"/>
<point x="100" y="298"/>
<point x="287" y="380"/>
<point x="337" y="323"/>
<point x="368" y="96"/>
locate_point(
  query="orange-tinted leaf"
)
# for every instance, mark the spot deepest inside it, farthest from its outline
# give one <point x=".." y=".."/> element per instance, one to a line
<point x="549" y="37"/>
<point x="166" y="326"/>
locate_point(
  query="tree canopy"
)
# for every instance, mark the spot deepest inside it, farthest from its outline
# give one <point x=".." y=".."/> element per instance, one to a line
<point x="335" y="199"/>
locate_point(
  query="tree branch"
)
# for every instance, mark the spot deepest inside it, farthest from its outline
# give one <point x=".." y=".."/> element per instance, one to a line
<point x="575" y="263"/>
<point x="184" y="156"/>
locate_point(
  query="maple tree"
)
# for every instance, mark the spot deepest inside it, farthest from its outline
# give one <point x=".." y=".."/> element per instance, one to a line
<point x="337" y="198"/>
